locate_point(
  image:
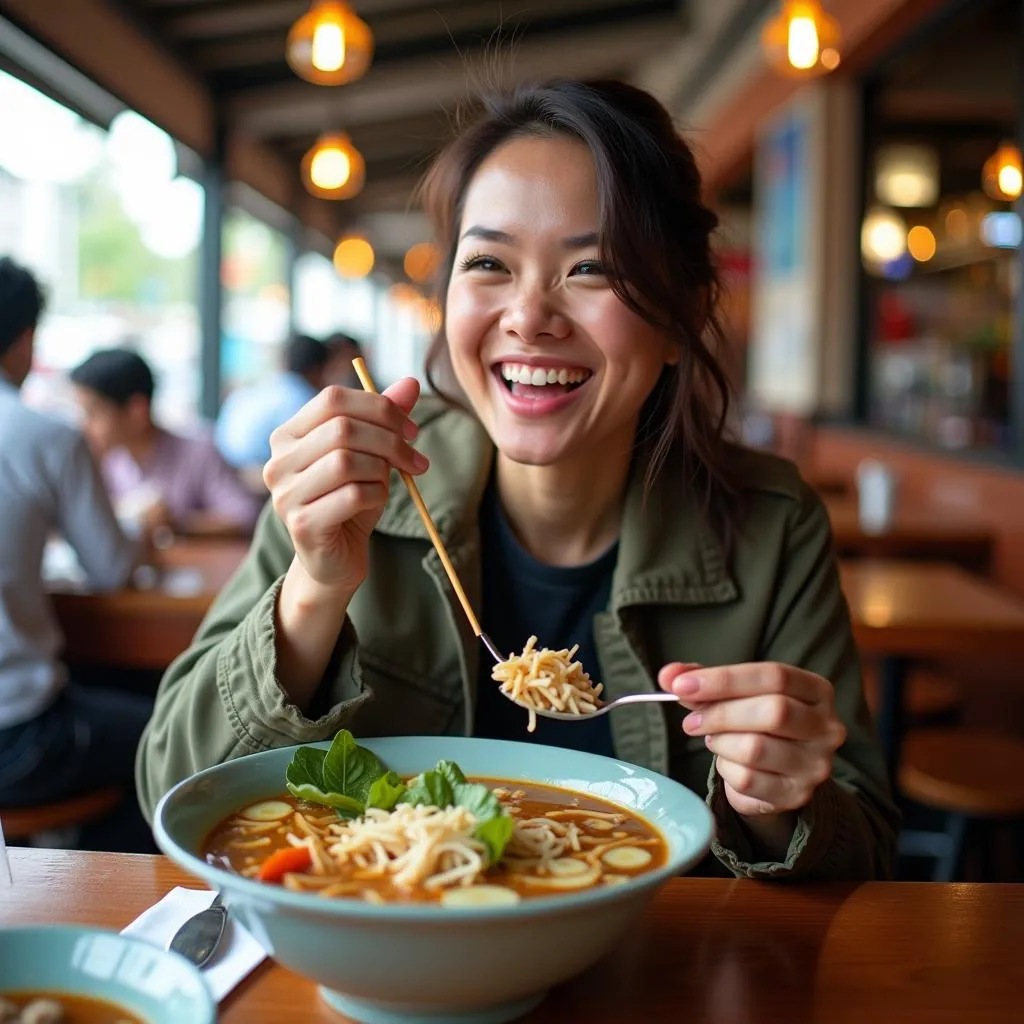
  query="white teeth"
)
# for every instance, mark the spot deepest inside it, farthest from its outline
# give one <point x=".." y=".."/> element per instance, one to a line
<point x="520" y="373"/>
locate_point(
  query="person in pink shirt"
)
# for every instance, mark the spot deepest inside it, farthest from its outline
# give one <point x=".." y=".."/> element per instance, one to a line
<point x="154" y="476"/>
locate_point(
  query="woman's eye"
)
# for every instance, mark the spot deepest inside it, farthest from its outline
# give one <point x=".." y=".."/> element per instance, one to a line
<point x="589" y="268"/>
<point x="480" y="263"/>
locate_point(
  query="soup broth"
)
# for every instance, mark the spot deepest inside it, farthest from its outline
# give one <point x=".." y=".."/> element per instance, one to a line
<point x="562" y="841"/>
<point x="59" y="1008"/>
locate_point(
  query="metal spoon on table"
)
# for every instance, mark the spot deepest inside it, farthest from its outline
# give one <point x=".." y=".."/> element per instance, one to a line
<point x="199" y="937"/>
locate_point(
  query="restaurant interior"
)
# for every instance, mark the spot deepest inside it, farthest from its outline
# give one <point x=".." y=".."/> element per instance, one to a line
<point x="218" y="200"/>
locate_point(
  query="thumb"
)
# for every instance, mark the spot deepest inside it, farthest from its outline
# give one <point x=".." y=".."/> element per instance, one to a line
<point x="404" y="393"/>
<point x="671" y="672"/>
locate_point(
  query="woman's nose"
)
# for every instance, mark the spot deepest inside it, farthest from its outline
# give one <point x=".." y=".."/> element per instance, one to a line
<point x="533" y="314"/>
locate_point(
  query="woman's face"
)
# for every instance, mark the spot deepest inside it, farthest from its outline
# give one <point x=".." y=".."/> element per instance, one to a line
<point x="552" y="361"/>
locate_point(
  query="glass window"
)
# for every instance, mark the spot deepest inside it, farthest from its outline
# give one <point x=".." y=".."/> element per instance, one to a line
<point x="112" y="229"/>
<point x="940" y="236"/>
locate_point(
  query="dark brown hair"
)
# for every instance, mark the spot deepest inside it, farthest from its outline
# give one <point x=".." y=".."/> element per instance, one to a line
<point x="655" y="241"/>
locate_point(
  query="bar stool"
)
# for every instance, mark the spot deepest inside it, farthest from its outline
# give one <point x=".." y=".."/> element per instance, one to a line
<point x="25" y="822"/>
<point x="975" y="776"/>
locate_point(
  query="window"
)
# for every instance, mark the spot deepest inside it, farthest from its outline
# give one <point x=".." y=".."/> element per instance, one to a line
<point x="112" y="230"/>
<point x="940" y="246"/>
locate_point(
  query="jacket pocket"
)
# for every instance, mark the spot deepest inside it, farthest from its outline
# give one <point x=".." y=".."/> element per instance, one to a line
<point x="406" y="703"/>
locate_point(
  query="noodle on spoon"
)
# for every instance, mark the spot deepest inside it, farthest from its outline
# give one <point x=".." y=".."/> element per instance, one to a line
<point x="541" y="679"/>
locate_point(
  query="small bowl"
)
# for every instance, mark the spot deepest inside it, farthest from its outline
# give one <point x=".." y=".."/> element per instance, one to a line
<point x="411" y="964"/>
<point x="157" y="986"/>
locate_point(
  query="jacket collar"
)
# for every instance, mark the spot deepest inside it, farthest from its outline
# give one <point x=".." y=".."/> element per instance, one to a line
<point x="668" y="553"/>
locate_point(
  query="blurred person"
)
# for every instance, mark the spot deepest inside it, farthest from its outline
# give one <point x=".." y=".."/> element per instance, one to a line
<point x="250" y="414"/>
<point x="57" y="739"/>
<point x="163" y="479"/>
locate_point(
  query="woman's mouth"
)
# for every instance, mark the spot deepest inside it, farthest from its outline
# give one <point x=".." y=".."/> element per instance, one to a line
<point x="538" y="382"/>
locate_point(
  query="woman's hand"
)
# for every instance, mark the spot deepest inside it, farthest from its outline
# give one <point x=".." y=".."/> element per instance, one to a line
<point x="773" y="728"/>
<point x="328" y="476"/>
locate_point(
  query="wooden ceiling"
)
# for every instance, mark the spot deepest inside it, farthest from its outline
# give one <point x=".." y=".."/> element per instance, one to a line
<point x="430" y="55"/>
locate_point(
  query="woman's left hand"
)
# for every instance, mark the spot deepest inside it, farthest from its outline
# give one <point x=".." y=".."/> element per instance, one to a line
<point x="773" y="728"/>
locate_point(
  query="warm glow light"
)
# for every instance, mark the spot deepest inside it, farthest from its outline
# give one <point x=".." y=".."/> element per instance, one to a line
<point x="907" y="175"/>
<point x="330" y="168"/>
<point x="1003" y="174"/>
<point x="328" y="49"/>
<point x="883" y="237"/>
<point x="802" y="43"/>
<point x="421" y="261"/>
<point x="353" y="257"/>
<point x="329" y="45"/>
<point x="333" y="168"/>
<point x="802" y="39"/>
<point x="958" y="224"/>
<point x="921" y="243"/>
<point x="405" y="296"/>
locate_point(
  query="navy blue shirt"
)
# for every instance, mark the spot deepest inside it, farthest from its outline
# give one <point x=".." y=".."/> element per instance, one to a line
<point x="522" y="598"/>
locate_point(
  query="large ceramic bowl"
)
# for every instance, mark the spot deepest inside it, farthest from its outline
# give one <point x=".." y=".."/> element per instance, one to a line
<point x="398" y="964"/>
<point x="157" y="986"/>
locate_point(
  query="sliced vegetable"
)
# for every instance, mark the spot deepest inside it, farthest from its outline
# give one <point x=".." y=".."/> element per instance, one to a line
<point x="580" y="881"/>
<point x="479" y="896"/>
<point x="291" y="860"/>
<point x="567" y="866"/>
<point x="267" y="810"/>
<point x="627" y="858"/>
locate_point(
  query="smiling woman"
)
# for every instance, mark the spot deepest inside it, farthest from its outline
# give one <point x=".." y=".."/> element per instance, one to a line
<point x="578" y="473"/>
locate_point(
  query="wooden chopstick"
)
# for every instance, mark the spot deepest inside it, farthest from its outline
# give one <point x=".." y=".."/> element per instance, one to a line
<point x="366" y="380"/>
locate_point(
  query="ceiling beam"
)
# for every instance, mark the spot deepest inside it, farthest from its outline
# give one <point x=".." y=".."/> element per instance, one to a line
<point x="432" y="84"/>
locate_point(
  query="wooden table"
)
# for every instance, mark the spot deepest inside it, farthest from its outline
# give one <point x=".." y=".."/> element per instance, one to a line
<point x="903" y="611"/>
<point x="707" y="950"/>
<point x="147" y="628"/>
<point x="917" y="531"/>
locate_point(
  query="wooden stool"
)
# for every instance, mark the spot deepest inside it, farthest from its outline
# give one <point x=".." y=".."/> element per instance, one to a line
<point x="930" y="696"/>
<point x="974" y="775"/>
<point x="22" y="822"/>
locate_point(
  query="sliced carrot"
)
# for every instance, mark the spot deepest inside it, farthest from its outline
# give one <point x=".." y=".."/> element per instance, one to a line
<point x="283" y="862"/>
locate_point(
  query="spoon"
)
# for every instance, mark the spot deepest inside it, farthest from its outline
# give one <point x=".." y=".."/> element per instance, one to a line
<point x="198" y="938"/>
<point x="359" y="365"/>
<point x="630" y="698"/>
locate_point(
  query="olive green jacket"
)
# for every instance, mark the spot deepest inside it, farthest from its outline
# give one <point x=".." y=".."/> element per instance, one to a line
<point x="406" y="661"/>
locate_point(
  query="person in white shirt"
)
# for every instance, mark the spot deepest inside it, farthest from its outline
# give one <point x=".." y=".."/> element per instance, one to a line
<point x="57" y="740"/>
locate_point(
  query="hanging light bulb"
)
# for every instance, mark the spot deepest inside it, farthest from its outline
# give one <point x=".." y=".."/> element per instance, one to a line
<point x="333" y="168"/>
<point x="329" y="45"/>
<point x="1003" y="176"/>
<point x="883" y="237"/>
<point x="802" y="40"/>
<point x="353" y="257"/>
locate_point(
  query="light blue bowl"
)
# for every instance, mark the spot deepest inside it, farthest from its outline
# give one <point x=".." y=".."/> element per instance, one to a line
<point x="157" y="986"/>
<point x="399" y="964"/>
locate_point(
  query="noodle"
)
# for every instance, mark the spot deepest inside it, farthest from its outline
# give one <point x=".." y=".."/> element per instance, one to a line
<point x="546" y="680"/>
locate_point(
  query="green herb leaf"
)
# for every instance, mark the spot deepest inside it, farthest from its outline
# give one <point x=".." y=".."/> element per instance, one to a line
<point x="350" y="769"/>
<point x="430" y="789"/>
<point x="386" y="792"/>
<point x="307" y="766"/>
<point x="478" y="800"/>
<point x="344" y="805"/>
<point x="450" y="771"/>
<point x="495" y="834"/>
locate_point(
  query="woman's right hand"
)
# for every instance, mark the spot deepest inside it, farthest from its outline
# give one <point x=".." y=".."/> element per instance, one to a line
<point x="328" y="476"/>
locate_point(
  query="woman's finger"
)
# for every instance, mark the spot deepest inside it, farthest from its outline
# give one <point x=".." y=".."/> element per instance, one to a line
<point x="333" y="470"/>
<point x="773" y="714"/>
<point x="770" y="754"/>
<point x="728" y="682"/>
<point x="341" y="433"/>
<point x="383" y="410"/>
<point x="307" y="523"/>
<point x="763" y="792"/>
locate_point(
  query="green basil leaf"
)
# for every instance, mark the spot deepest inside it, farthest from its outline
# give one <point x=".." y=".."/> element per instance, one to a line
<point x="451" y="771"/>
<point x="478" y="800"/>
<point x="495" y="834"/>
<point x="307" y="766"/>
<point x="430" y="789"/>
<point x="350" y="769"/>
<point x="344" y="805"/>
<point x="386" y="792"/>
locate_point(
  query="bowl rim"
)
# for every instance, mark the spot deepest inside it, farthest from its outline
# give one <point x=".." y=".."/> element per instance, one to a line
<point x="14" y="931"/>
<point x="535" y="906"/>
